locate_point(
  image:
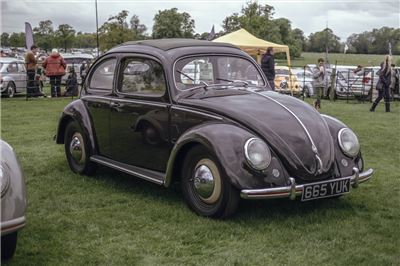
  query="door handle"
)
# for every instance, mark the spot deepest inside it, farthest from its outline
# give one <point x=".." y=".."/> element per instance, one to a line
<point x="115" y="105"/>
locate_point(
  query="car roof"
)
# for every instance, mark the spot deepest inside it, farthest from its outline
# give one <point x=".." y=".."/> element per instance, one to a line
<point x="86" y="56"/>
<point x="10" y="59"/>
<point x="173" y="43"/>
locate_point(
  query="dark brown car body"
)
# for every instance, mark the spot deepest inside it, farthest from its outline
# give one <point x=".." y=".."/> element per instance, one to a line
<point x="150" y="137"/>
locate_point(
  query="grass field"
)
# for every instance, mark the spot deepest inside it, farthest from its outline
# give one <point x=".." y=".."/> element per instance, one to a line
<point x="115" y="219"/>
<point x="341" y="59"/>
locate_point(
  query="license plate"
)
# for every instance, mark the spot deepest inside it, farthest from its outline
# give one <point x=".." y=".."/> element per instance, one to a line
<point x="325" y="189"/>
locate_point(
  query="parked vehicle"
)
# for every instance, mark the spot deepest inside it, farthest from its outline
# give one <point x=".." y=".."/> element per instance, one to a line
<point x="222" y="133"/>
<point x="286" y="82"/>
<point x="13" y="200"/>
<point x="352" y="83"/>
<point x="75" y="61"/>
<point x="305" y="79"/>
<point x="13" y="76"/>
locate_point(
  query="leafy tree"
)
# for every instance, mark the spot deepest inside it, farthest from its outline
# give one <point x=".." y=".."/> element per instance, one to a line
<point x="5" y="41"/>
<point x="299" y="37"/>
<point x="85" y="40"/>
<point x="137" y="28"/>
<point x="170" y="23"/>
<point x="115" y="31"/>
<point x="44" y="35"/>
<point x="324" y="40"/>
<point x="258" y="20"/>
<point x="375" y="41"/>
<point x="231" y="23"/>
<point x="65" y="35"/>
<point x="17" y="39"/>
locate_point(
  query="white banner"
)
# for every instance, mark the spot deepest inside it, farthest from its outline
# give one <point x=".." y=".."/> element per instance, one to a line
<point x="28" y="36"/>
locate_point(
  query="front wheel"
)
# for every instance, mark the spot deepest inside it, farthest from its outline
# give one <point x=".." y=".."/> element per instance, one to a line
<point x="8" y="245"/>
<point x="77" y="150"/>
<point x="205" y="187"/>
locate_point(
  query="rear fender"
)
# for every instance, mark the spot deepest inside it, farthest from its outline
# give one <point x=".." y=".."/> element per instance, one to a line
<point x="77" y="111"/>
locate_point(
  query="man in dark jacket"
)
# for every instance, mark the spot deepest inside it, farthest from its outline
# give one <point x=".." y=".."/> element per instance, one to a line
<point x="268" y="66"/>
<point x="383" y="84"/>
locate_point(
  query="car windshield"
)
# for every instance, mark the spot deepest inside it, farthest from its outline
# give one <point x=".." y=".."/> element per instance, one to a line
<point x="193" y="71"/>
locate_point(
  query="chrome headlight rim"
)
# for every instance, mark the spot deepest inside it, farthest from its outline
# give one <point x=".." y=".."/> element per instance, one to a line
<point x="340" y="140"/>
<point x="266" y="162"/>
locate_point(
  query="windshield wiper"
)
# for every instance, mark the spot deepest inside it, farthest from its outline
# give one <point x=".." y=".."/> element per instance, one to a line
<point x="245" y="83"/>
<point x="205" y="85"/>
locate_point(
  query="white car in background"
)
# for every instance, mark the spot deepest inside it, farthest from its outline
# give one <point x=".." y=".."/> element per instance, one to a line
<point x="75" y="61"/>
<point x="13" y="76"/>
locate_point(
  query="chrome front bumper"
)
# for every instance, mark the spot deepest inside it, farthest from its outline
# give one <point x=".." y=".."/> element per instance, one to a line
<point x="297" y="190"/>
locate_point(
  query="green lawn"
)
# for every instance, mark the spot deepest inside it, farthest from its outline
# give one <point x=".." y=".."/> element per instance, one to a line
<point x="115" y="219"/>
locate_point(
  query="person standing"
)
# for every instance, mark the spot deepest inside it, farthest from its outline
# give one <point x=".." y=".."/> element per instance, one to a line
<point x="55" y="68"/>
<point x="31" y="65"/>
<point x="268" y="66"/>
<point x="383" y="84"/>
<point x="319" y="82"/>
<point x="393" y="80"/>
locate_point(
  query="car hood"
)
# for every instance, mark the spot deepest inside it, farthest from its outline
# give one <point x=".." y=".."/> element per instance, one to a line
<point x="294" y="130"/>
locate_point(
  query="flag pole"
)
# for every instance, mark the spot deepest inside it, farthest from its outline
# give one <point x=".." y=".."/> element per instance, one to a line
<point x="97" y="29"/>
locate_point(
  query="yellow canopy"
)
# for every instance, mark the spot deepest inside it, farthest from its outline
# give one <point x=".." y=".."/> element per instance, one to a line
<point x="253" y="45"/>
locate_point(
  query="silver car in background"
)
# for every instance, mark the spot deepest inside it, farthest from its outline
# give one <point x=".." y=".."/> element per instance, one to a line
<point x="13" y="200"/>
<point x="13" y="76"/>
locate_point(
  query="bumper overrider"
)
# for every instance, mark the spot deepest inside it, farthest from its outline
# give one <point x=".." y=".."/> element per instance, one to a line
<point x="294" y="190"/>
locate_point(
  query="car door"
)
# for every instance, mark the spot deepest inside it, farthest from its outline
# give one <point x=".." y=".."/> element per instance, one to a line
<point x="12" y="72"/>
<point x="21" y="86"/>
<point x="97" y="97"/>
<point x="139" y="121"/>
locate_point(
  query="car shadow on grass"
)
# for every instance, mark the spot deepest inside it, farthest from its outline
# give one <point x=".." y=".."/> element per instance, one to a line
<point x="266" y="210"/>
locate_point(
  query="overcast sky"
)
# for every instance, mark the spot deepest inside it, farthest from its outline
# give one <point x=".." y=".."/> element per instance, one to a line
<point x="342" y="16"/>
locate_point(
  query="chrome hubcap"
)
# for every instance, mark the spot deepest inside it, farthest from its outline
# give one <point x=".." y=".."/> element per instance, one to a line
<point x="204" y="181"/>
<point x="76" y="148"/>
<point x="207" y="181"/>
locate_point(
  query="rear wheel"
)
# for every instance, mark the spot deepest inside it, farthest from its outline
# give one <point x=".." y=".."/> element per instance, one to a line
<point x="10" y="90"/>
<point x="8" y="245"/>
<point x="205" y="187"/>
<point x="77" y="150"/>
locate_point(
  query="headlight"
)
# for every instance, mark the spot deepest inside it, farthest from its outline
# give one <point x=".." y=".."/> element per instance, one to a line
<point x="348" y="142"/>
<point x="4" y="180"/>
<point x="257" y="154"/>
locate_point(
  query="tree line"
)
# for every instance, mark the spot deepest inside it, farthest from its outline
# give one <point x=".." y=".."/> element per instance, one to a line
<point x="170" y="23"/>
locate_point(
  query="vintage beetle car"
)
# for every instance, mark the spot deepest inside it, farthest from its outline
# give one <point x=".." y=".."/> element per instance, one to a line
<point x="201" y="113"/>
<point x="13" y="200"/>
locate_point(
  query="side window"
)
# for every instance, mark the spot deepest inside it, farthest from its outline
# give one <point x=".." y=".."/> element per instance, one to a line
<point x="103" y="76"/>
<point x="21" y="67"/>
<point x="12" y="68"/>
<point x="142" y="77"/>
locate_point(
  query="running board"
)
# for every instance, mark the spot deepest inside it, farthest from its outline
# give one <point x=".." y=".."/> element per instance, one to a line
<point x="149" y="175"/>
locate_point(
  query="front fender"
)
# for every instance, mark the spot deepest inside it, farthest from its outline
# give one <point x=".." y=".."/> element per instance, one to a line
<point x="77" y="111"/>
<point x="345" y="170"/>
<point x="226" y="141"/>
